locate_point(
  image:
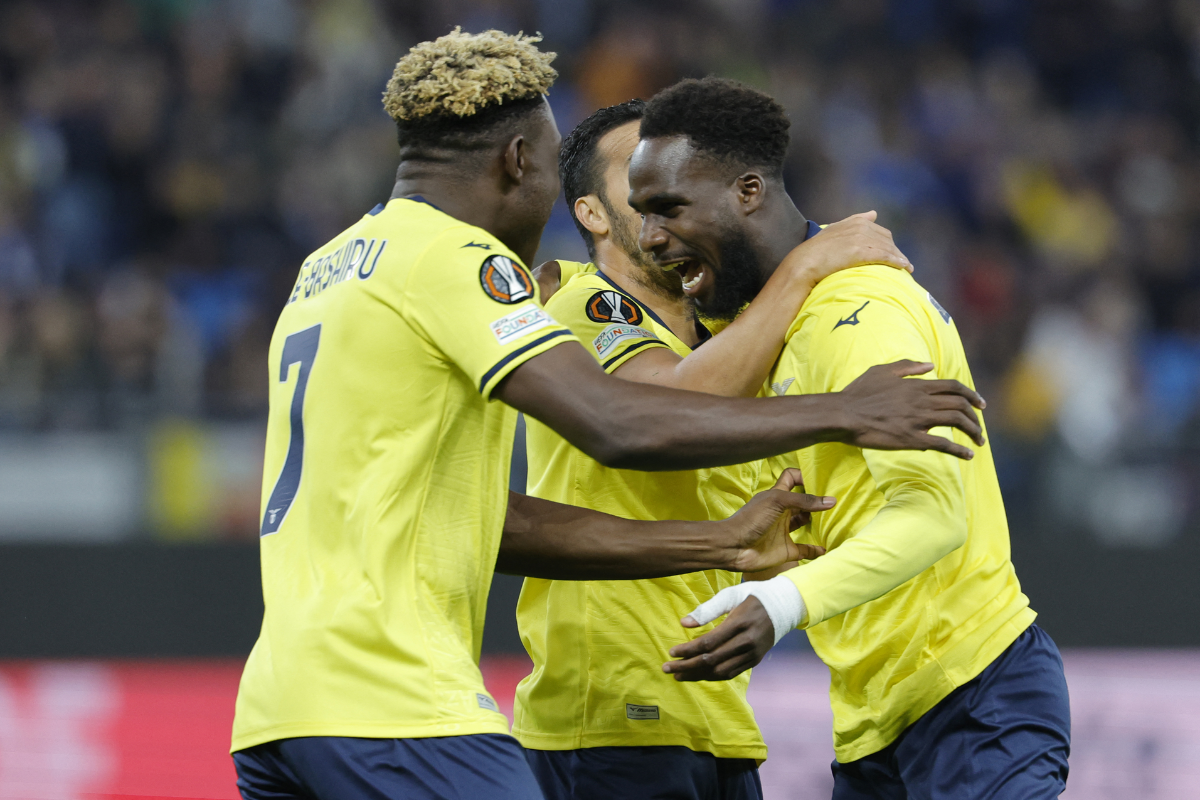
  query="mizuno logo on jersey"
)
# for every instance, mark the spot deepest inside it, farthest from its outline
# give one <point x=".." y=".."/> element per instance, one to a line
<point x="782" y="387"/>
<point x="852" y="319"/>
<point x="611" y="306"/>
<point x="504" y="280"/>
<point x="635" y="711"/>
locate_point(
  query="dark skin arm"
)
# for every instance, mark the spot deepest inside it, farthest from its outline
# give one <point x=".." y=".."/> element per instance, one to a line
<point x="543" y="539"/>
<point x="629" y="425"/>
<point x="728" y="650"/>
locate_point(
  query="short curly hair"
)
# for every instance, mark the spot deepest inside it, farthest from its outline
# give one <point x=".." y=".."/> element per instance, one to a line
<point x="577" y="167"/>
<point x="723" y="118"/>
<point x="450" y="91"/>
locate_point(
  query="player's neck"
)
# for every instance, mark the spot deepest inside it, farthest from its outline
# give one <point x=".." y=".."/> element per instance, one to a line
<point x="467" y="201"/>
<point x="676" y="311"/>
<point x="782" y="230"/>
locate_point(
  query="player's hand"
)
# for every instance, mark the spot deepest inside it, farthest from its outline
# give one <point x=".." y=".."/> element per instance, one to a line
<point x="890" y="413"/>
<point x="758" y="534"/>
<point x="853" y="242"/>
<point x="549" y="278"/>
<point x="729" y="649"/>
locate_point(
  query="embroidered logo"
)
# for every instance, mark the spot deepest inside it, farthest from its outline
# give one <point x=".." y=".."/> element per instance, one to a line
<point x="505" y="281"/>
<point x="477" y="244"/>
<point x="633" y="711"/>
<point x="782" y="387"/>
<point x="610" y="306"/>
<point x="614" y="335"/>
<point x="852" y="319"/>
<point x="526" y="319"/>
<point x="486" y="703"/>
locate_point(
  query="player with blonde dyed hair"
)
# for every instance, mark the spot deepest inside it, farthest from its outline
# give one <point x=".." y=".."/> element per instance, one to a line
<point x="385" y="510"/>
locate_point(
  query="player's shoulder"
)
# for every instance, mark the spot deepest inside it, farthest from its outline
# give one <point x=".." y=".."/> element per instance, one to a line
<point x="577" y="280"/>
<point x="847" y="295"/>
<point x="586" y="293"/>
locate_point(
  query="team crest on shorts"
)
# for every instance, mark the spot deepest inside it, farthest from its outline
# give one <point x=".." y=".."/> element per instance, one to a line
<point x="505" y="281"/>
<point x="610" y="306"/>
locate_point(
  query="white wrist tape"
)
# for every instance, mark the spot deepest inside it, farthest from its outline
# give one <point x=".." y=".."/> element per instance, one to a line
<point x="779" y="596"/>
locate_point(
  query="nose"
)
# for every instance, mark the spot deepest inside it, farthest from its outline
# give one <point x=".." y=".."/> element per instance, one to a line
<point x="652" y="236"/>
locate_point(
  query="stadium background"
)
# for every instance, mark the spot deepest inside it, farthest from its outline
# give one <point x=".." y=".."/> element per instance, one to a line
<point x="165" y="165"/>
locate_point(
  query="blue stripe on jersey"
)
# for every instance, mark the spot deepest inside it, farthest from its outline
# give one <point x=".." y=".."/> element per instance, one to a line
<point x="502" y="362"/>
<point x="629" y="349"/>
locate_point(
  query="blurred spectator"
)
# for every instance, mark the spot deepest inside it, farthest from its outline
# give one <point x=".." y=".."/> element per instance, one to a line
<point x="165" y="166"/>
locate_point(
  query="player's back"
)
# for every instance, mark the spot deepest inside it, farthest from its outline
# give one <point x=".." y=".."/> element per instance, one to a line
<point x="598" y="646"/>
<point x="892" y="658"/>
<point x="385" y="475"/>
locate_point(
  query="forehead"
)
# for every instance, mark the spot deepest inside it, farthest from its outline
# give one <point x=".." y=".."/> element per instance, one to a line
<point x="616" y="146"/>
<point x="669" y="164"/>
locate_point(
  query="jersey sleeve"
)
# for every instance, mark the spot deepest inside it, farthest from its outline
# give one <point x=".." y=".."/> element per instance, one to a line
<point x="609" y="323"/>
<point x="477" y="303"/>
<point x="924" y="516"/>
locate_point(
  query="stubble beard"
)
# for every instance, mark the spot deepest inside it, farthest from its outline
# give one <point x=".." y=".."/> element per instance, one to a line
<point x="624" y="233"/>
<point x="737" y="282"/>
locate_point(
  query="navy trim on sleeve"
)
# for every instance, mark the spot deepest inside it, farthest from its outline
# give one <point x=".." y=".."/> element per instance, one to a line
<point x="515" y="353"/>
<point x="813" y="230"/>
<point x="630" y="349"/>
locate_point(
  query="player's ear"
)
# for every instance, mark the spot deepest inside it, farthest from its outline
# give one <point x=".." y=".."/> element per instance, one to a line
<point x="516" y="158"/>
<point x="591" y="214"/>
<point x="750" y="189"/>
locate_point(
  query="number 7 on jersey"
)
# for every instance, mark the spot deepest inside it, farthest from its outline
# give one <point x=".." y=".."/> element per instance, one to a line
<point x="299" y="348"/>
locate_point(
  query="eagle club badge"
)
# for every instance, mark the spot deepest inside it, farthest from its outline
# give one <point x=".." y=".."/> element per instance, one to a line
<point x="610" y="306"/>
<point x="505" y="281"/>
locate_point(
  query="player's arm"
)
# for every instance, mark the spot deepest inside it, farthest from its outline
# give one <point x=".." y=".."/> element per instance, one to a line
<point x="639" y="426"/>
<point x="923" y="520"/>
<point x="543" y="539"/>
<point x="736" y="362"/>
<point x="477" y="310"/>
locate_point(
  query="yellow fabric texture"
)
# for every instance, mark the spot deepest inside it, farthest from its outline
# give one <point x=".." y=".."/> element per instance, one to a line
<point x="917" y="593"/>
<point x="598" y="646"/>
<point x="376" y="578"/>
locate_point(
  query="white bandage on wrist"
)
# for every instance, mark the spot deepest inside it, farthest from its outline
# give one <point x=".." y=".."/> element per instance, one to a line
<point x="779" y="596"/>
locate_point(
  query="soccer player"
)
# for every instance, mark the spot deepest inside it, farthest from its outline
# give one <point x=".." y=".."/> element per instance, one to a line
<point x="597" y="716"/>
<point x="942" y="685"/>
<point x="385" y="509"/>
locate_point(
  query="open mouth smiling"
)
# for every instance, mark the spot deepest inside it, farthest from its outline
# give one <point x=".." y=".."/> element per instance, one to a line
<point x="692" y="272"/>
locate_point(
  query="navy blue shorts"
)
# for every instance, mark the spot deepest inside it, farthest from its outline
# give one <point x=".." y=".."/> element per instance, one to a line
<point x="643" y="773"/>
<point x="1005" y="734"/>
<point x="489" y="765"/>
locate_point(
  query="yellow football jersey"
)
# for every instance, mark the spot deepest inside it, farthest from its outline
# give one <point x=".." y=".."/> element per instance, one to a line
<point x="385" y="480"/>
<point x="598" y="646"/>
<point x="894" y="651"/>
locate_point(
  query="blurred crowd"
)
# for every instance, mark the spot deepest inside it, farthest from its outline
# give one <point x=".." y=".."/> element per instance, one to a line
<point x="165" y="165"/>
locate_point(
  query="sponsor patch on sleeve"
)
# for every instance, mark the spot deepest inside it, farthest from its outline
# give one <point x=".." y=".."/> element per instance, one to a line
<point x="526" y="319"/>
<point x="614" y="335"/>
<point x="504" y="280"/>
<point x="611" y="306"/>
